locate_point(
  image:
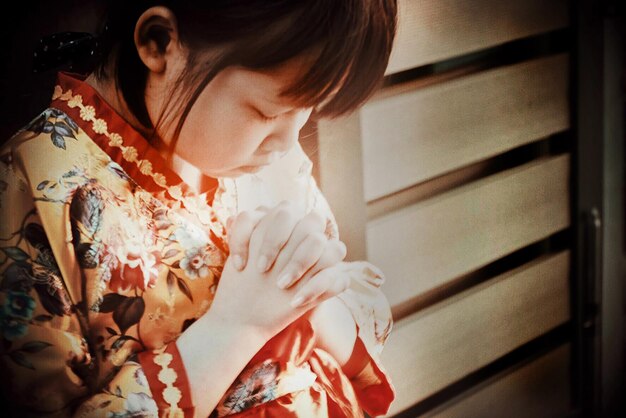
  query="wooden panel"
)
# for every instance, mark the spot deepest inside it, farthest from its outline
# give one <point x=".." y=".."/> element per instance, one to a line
<point x="434" y="30"/>
<point x="426" y="244"/>
<point x="419" y="134"/>
<point x="431" y="188"/>
<point x="435" y="347"/>
<point x="539" y="390"/>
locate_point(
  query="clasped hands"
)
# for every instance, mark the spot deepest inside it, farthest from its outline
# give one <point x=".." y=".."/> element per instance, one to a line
<point x="281" y="265"/>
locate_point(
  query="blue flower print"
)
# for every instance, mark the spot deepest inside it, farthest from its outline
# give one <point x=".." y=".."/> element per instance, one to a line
<point x="19" y="305"/>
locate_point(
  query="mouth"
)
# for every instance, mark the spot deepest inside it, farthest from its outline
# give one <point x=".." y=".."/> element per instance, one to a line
<point x="252" y="168"/>
<point x="258" y="167"/>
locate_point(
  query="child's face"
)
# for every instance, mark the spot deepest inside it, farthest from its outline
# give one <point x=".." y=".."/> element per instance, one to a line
<point x="226" y="134"/>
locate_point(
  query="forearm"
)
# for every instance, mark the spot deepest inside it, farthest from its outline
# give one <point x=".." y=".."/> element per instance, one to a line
<point x="213" y="354"/>
<point x="335" y="329"/>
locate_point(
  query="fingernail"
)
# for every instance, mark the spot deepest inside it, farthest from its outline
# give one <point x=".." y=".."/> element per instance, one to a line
<point x="284" y="280"/>
<point x="297" y="301"/>
<point x="238" y="261"/>
<point x="262" y="264"/>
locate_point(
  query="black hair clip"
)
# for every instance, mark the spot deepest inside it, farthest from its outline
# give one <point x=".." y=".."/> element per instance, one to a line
<point x="76" y="50"/>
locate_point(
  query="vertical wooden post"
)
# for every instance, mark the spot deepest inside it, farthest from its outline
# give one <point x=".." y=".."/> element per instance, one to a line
<point x="341" y="179"/>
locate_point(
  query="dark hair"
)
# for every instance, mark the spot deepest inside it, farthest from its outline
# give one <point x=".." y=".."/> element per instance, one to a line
<point x="353" y="40"/>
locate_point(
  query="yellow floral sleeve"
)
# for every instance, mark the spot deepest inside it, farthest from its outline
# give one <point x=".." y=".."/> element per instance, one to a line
<point x="58" y="357"/>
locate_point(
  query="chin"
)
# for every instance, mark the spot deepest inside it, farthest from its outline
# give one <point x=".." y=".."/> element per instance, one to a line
<point x="250" y="169"/>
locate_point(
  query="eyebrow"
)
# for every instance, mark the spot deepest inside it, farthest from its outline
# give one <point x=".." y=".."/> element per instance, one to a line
<point x="284" y="101"/>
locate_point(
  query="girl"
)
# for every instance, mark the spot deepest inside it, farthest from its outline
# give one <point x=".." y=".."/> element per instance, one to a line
<point x="165" y="249"/>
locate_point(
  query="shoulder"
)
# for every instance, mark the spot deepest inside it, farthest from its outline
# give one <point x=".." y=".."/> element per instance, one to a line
<point x="47" y="148"/>
<point x="42" y="162"/>
<point x="50" y="131"/>
<point x="27" y="147"/>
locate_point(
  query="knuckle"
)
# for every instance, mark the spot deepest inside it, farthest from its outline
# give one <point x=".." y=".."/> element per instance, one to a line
<point x="244" y="217"/>
<point x="318" y="239"/>
<point x="270" y="247"/>
<point x="237" y="247"/>
<point x="334" y="252"/>
<point x="237" y="234"/>
<point x="283" y="215"/>
<point x="310" y="224"/>
<point x="344" y="283"/>
<point x="232" y="238"/>
<point x="333" y="284"/>
<point x="317" y="217"/>
<point x="311" y="289"/>
<point x="341" y="248"/>
<point x="284" y="204"/>
<point x="299" y="265"/>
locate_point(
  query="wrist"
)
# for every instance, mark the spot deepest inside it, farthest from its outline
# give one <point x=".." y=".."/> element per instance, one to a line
<point x="214" y="350"/>
<point x="229" y="328"/>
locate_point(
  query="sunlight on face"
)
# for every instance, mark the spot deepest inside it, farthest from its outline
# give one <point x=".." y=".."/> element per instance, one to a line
<point x="239" y="123"/>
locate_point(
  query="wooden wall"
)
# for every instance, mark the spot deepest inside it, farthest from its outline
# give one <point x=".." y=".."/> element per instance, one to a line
<point x="454" y="179"/>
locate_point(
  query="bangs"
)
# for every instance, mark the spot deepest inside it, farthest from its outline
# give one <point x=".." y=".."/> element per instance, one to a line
<point x="349" y="42"/>
<point x="354" y="54"/>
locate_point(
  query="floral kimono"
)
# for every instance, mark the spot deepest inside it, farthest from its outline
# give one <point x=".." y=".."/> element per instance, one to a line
<point x="107" y="256"/>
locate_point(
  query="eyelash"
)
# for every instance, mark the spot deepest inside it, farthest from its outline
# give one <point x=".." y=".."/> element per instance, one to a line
<point x="268" y="118"/>
<point x="265" y="118"/>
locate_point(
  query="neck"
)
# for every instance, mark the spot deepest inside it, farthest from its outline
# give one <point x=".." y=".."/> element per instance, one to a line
<point x="108" y="91"/>
<point x="191" y="175"/>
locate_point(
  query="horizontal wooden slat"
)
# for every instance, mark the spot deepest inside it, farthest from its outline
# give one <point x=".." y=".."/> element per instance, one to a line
<point x="431" y="188"/>
<point x="419" y="134"/>
<point x="434" y="30"/>
<point x="540" y="389"/>
<point x="424" y="245"/>
<point x="441" y="344"/>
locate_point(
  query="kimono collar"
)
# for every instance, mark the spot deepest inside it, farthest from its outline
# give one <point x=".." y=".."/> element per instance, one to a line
<point x="125" y="145"/>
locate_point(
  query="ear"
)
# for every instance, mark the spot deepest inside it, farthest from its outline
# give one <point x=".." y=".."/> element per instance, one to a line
<point x="156" y="38"/>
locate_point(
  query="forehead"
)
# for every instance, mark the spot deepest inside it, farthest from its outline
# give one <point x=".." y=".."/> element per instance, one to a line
<point x="270" y="82"/>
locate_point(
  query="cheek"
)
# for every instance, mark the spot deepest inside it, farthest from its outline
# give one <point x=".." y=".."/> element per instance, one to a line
<point x="220" y="140"/>
<point x="219" y="132"/>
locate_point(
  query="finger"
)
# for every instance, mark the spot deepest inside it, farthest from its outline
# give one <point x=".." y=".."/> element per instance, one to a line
<point x="308" y="252"/>
<point x="325" y="284"/>
<point x="333" y="252"/>
<point x="310" y="223"/>
<point x="239" y="235"/>
<point x="230" y="220"/>
<point x="280" y="225"/>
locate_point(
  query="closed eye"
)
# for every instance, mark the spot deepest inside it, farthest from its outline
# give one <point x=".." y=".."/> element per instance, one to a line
<point x="263" y="116"/>
<point x="268" y="118"/>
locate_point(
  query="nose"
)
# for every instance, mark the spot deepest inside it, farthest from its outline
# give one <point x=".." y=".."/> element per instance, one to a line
<point x="286" y="131"/>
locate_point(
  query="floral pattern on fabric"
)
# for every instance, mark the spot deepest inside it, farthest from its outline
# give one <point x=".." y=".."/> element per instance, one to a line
<point x="252" y="388"/>
<point x="106" y="257"/>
